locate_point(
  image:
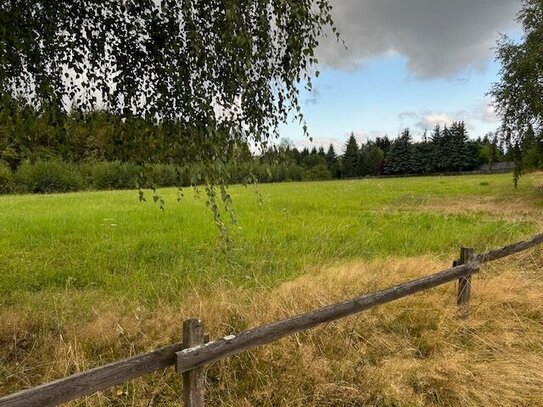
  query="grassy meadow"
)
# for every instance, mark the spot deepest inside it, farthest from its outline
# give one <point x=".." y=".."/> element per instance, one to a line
<point x="87" y="278"/>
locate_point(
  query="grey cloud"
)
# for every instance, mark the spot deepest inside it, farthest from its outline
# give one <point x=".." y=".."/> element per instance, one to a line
<point x="437" y="37"/>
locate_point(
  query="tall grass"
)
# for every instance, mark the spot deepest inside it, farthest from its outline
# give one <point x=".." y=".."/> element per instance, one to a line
<point x="108" y="241"/>
<point x="92" y="277"/>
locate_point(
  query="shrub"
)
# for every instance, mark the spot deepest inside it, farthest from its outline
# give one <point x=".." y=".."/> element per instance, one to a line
<point x="240" y="173"/>
<point x="7" y="184"/>
<point x="59" y="176"/>
<point x="318" y="172"/>
<point x="48" y="176"/>
<point x="278" y="173"/>
<point x="164" y="175"/>
<point x="115" y="175"/>
<point x="314" y="160"/>
<point x="247" y="172"/>
<point x="264" y="172"/>
<point x="86" y="169"/>
<point x="294" y="173"/>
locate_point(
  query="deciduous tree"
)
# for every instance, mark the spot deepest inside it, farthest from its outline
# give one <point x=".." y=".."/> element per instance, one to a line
<point x="214" y="72"/>
<point x="518" y="95"/>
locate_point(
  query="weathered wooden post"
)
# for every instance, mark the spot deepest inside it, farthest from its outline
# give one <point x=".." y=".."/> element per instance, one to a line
<point x="464" y="283"/>
<point x="193" y="380"/>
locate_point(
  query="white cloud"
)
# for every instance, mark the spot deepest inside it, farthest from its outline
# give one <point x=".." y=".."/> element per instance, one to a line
<point x="488" y="114"/>
<point x="439" y="38"/>
<point x="320" y="142"/>
<point x="338" y="142"/>
<point x="431" y="120"/>
<point x="427" y="120"/>
<point x="360" y="136"/>
<point x="481" y="112"/>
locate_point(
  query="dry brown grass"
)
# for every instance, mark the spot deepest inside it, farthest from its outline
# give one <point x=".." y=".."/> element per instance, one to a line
<point x="512" y="206"/>
<point x="414" y="352"/>
<point x="515" y="210"/>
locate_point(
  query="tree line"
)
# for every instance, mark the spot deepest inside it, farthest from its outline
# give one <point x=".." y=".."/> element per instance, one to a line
<point x="445" y="150"/>
<point x="29" y="135"/>
<point x="100" y="150"/>
<point x="173" y="79"/>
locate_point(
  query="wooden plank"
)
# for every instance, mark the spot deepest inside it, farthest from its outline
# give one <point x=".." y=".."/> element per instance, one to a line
<point x="90" y="381"/>
<point x="194" y="380"/>
<point x="188" y="359"/>
<point x="464" y="283"/>
<point x="508" y="250"/>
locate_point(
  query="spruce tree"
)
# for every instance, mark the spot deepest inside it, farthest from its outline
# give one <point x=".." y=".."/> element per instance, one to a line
<point x="350" y="158"/>
<point x="332" y="160"/>
<point x="321" y="152"/>
<point x="459" y="150"/>
<point x="331" y="156"/>
<point x="383" y="143"/>
<point x="297" y="156"/>
<point x="436" y="147"/>
<point x="400" y="157"/>
<point x="446" y="150"/>
<point x="375" y="159"/>
<point x="363" y="166"/>
<point x="423" y="157"/>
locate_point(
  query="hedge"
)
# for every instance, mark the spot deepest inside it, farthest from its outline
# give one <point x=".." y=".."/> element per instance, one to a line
<point x="59" y="176"/>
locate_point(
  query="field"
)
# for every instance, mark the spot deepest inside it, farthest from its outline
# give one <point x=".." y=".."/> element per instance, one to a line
<point x="88" y="278"/>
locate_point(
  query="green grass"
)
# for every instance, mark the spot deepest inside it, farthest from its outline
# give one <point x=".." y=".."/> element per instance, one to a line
<point x="110" y="243"/>
<point x="89" y="278"/>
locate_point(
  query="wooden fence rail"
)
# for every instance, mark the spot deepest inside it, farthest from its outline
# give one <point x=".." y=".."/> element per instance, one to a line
<point x="195" y="354"/>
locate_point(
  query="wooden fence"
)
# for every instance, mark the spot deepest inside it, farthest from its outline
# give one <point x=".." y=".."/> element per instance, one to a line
<point x="190" y="355"/>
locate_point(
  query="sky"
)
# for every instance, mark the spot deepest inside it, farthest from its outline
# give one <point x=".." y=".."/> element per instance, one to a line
<point x="408" y="63"/>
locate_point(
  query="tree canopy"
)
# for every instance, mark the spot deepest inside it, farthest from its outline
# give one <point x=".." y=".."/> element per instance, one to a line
<point x="212" y="72"/>
<point x="518" y="95"/>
